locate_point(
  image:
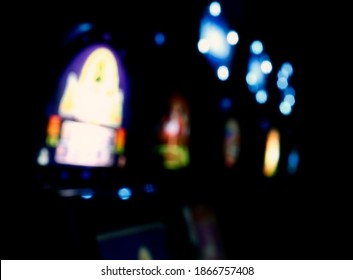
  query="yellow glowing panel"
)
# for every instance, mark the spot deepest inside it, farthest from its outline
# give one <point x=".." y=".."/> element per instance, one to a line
<point x="94" y="96"/>
<point x="272" y="153"/>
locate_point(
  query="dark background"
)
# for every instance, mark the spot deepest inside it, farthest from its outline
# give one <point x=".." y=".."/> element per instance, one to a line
<point x="300" y="217"/>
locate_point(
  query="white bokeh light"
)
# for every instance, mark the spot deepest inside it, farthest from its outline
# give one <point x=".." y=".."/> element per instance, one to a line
<point x="223" y="73"/>
<point x="256" y="47"/>
<point x="266" y="66"/>
<point x="232" y="37"/>
<point x="203" y="46"/>
<point x="215" y="9"/>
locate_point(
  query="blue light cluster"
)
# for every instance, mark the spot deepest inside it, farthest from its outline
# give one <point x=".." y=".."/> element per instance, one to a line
<point x="259" y="67"/>
<point x="217" y="41"/>
<point x="285" y="88"/>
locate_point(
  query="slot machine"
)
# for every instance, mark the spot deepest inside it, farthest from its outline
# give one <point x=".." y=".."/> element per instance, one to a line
<point x="83" y="158"/>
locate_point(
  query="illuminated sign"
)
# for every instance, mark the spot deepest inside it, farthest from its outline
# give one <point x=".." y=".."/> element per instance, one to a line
<point x="93" y="95"/>
<point x="86" y="126"/>
<point x="272" y="153"/>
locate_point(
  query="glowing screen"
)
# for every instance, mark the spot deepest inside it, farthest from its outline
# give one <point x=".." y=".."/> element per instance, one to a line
<point x="85" y="144"/>
<point x="175" y="134"/>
